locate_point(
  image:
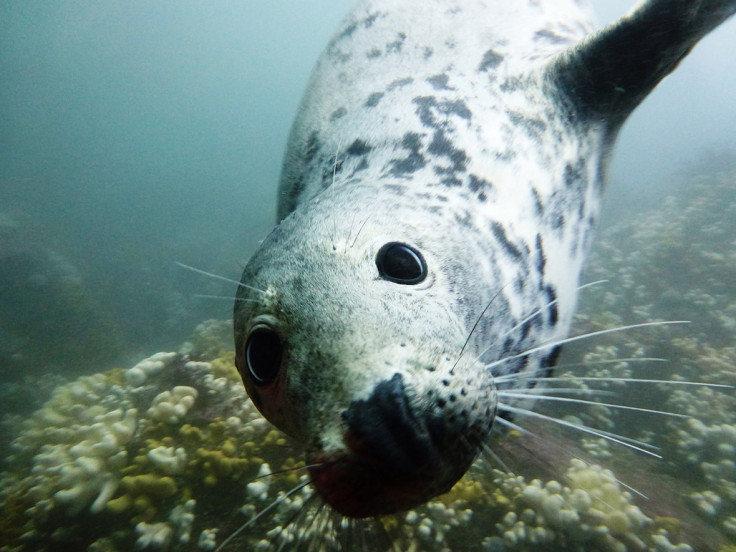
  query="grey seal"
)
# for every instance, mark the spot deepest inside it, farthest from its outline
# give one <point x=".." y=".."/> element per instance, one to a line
<point x="437" y="204"/>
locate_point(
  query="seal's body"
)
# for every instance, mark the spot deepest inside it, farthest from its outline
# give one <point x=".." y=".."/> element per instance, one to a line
<point x="437" y="203"/>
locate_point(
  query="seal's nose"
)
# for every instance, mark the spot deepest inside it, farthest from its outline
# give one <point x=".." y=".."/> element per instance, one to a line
<point x="385" y="431"/>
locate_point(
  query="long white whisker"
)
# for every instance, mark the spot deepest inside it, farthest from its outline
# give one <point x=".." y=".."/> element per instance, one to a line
<point x="359" y="231"/>
<point x="513" y="395"/>
<point x="287" y="470"/>
<point x="554" y="390"/>
<point x="625" y="441"/>
<point x="553" y="379"/>
<point x="260" y="514"/>
<point x="543" y="308"/>
<point x="516" y="427"/>
<point x="532" y="315"/>
<point x="301" y="512"/>
<point x="218" y="277"/>
<point x="225" y="297"/>
<point x="475" y="326"/>
<point x="580" y="337"/>
<point x="612" y="361"/>
<point x="496" y="458"/>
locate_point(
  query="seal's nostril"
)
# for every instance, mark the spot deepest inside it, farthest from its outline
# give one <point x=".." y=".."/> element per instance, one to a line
<point x="263" y="355"/>
<point x="388" y="429"/>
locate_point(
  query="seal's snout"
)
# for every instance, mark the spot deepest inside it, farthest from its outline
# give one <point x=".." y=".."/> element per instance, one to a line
<point x="399" y="452"/>
<point x="384" y="431"/>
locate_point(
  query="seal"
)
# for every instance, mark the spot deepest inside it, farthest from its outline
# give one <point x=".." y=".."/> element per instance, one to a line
<point x="437" y="204"/>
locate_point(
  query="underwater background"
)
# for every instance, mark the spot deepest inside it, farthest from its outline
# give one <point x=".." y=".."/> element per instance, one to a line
<point x="135" y="135"/>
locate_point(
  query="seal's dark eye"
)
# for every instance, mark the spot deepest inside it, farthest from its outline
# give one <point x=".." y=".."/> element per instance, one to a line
<point x="401" y="263"/>
<point x="263" y="355"/>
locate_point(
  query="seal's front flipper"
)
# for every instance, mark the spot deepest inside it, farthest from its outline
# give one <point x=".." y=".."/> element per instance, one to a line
<point x="609" y="74"/>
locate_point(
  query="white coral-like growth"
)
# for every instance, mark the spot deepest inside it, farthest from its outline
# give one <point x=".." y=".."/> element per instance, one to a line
<point x="82" y="461"/>
<point x="168" y="459"/>
<point x="156" y="536"/>
<point x="172" y="406"/>
<point x="137" y="375"/>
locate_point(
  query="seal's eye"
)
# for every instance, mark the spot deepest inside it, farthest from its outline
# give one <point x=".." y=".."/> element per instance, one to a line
<point x="400" y="263"/>
<point x="263" y="355"/>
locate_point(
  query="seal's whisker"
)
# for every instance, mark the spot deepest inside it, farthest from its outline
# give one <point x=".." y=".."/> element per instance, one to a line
<point x="294" y="520"/>
<point x="260" y="514"/>
<point x="541" y="309"/>
<point x="619" y="439"/>
<point x="317" y="515"/>
<point x="488" y="451"/>
<point x="542" y="391"/>
<point x="218" y="277"/>
<point x="516" y="427"/>
<point x="475" y="326"/>
<point x="355" y="239"/>
<point x="612" y="361"/>
<point x="513" y="395"/>
<point x="225" y="297"/>
<point x="533" y="315"/>
<point x="286" y="470"/>
<point x="553" y="379"/>
<point x="581" y="337"/>
<point x="333" y="235"/>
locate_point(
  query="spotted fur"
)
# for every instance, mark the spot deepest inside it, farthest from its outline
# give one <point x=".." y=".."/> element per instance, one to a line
<point x="478" y="133"/>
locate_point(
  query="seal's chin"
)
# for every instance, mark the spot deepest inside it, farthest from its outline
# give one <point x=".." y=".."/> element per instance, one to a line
<point x="394" y="458"/>
<point x="360" y="484"/>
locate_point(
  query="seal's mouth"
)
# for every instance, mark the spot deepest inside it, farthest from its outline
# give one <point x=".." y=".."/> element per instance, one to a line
<point x="393" y="459"/>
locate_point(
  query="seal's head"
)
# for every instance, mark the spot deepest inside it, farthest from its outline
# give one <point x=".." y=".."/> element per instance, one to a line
<point x="353" y="348"/>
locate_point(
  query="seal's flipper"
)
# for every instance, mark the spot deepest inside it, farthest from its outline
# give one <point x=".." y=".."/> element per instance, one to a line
<point x="609" y="74"/>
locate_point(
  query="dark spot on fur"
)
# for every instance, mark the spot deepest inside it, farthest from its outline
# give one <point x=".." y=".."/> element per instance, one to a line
<point x="541" y="258"/>
<point x="440" y="145"/>
<point x="374" y="53"/>
<point x="412" y="162"/>
<point x="396" y="188"/>
<point x="359" y="147"/>
<point x="491" y="60"/>
<point x="312" y="147"/>
<point x="558" y="221"/>
<point x="538" y="203"/>
<point x="477" y="184"/>
<point x="373" y="99"/>
<point x="574" y="174"/>
<point x="511" y="84"/>
<point x="550" y="36"/>
<point x="465" y="220"/>
<point x="399" y="83"/>
<point x="368" y="21"/>
<point x="439" y="82"/>
<point x="519" y="284"/>
<point x="549" y="362"/>
<point x="395" y="46"/>
<point x="534" y="127"/>
<point x="552" y="309"/>
<point x="500" y="233"/>
<point x="349" y="30"/>
<point x="526" y="327"/>
<point x="338" y="113"/>
<point x="363" y="165"/>
<point x="428" y="108"/>
<point x="427" y="52"/>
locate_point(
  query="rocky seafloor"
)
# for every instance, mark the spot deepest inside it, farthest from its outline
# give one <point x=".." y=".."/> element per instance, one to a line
<point x="168" y="454"/>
